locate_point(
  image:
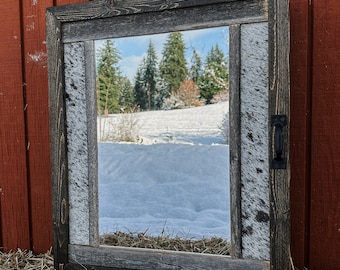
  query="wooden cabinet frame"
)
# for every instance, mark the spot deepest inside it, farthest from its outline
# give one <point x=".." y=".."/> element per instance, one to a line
<point x="71" y="31"/>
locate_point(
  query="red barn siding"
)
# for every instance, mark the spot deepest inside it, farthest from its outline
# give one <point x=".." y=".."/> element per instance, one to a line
<point x="300" y="59"/>
<point x="37" y="125"/>
<point x="315" y="133"/>
<point x="13" y="173"/>
<point x="25" y="197"/>
<point x="325" y="150"/>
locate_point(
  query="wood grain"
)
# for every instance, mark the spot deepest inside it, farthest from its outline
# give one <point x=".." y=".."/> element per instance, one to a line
<point x="279" y="86"/>
<point x="91" y="100"/>
<point x="235" y="142"/>
<point x="300" y="132"/>
<point x="166" y="21"/>
<point x="109" y="8"/>
<point x="59" y="168"/>
<point x="133" y="258"/>
<point x="13" y="171"/>
<point x="325" y="132"/>
<point x="37" y="123"/>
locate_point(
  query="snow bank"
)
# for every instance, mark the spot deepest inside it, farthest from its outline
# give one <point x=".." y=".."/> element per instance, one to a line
<point x="179" y="188"/>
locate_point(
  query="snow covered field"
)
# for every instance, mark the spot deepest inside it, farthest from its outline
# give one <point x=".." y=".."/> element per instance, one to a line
<point x="175" y="181"/>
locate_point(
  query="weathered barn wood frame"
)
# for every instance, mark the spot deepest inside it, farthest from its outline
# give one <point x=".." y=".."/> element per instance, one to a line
<point x="80" y="24"/>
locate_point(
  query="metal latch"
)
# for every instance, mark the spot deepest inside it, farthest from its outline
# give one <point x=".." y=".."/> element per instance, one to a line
<point x="278" y="122"/>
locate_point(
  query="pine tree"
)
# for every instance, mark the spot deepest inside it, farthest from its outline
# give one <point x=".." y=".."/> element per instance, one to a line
<point x="108" y="91"/>
<point x="140" y="90"/>
<point x="162" y="93"/>
<point x="215" y="77"/>
<point x="196" y="67"/>
<point x="126" y="98"/>
<point x="150" y="75"/>
<point x="173" y="68"/>
<point x="146" y="80"/>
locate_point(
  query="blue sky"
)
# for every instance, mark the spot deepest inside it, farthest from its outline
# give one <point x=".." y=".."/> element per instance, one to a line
<point x="133" y="49"/>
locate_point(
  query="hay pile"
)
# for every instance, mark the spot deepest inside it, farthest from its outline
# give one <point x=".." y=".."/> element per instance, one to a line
<point x="22" y="259"/>
<point x="213" y="245"/>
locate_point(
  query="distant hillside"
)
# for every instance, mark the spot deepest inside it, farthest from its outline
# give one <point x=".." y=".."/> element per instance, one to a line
<point x="196" y="121"/>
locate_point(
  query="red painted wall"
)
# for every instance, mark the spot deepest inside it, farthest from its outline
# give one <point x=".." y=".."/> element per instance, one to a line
<point x="13" y="160"/>
<point x="325" y="141"/>
<point x="315" y="134"/>
<point x="25" y="184"/>
<point x="300" y="133"/>
<point x="36" y="121"/>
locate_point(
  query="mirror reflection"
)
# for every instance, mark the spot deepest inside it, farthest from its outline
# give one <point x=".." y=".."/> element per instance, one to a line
<point x="163" y="149"/>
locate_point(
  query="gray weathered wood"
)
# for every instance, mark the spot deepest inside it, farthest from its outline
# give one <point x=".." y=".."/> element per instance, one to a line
<point x="235" y="141"/>
<point x="91" y="115"/>
<point x="75" y="266"/>
<point x="166" y="21"/>
<point x="59" y="167"/>
<point x="279" y="104"/>
<point x="110" y="8"/>
<point x="134" y="258"/>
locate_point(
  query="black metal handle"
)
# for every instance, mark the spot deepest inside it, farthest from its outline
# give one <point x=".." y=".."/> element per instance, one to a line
<point x="278" y="142"/>
<point x="278" y="122"/>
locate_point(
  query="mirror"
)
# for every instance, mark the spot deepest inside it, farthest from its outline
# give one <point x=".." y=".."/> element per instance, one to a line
<point x="260" y="204"/>
<point x="163" y="154"/>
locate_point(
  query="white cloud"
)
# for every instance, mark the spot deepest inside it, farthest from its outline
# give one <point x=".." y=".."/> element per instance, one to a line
<point x="129" y="65"/>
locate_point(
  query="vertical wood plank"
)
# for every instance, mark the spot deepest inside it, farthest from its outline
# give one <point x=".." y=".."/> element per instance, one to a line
<point x="59" y="168"/>
<point x="279" y="104"/>
<point x="235" y="142"/>
<point x="91" y="100"/>
<point x="325" y="166"/>
<point x="58" y="139"/>
<point x="37" y="129"/>
<point x="13" y="174"/>
<point x="300" y="133"/>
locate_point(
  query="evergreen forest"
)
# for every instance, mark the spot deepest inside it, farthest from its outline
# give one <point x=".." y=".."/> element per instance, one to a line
<point x="171" y="82"/>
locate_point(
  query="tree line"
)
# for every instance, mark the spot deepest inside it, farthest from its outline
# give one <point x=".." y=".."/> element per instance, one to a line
<point x="167" y="83"/>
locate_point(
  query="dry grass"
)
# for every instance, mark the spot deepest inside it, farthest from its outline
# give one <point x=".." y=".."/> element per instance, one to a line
<point x="212" y="245"/>
<point x="22" y="259"/>
<point x="26" y="260"/>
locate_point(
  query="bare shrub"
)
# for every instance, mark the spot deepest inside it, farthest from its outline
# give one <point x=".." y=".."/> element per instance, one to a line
<point x="188" y="92"/>
<point x="121" y="127"/>
<point x="220" y="97"/>
<point x="126" y="128"/>
<point x="197" y="103"/>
